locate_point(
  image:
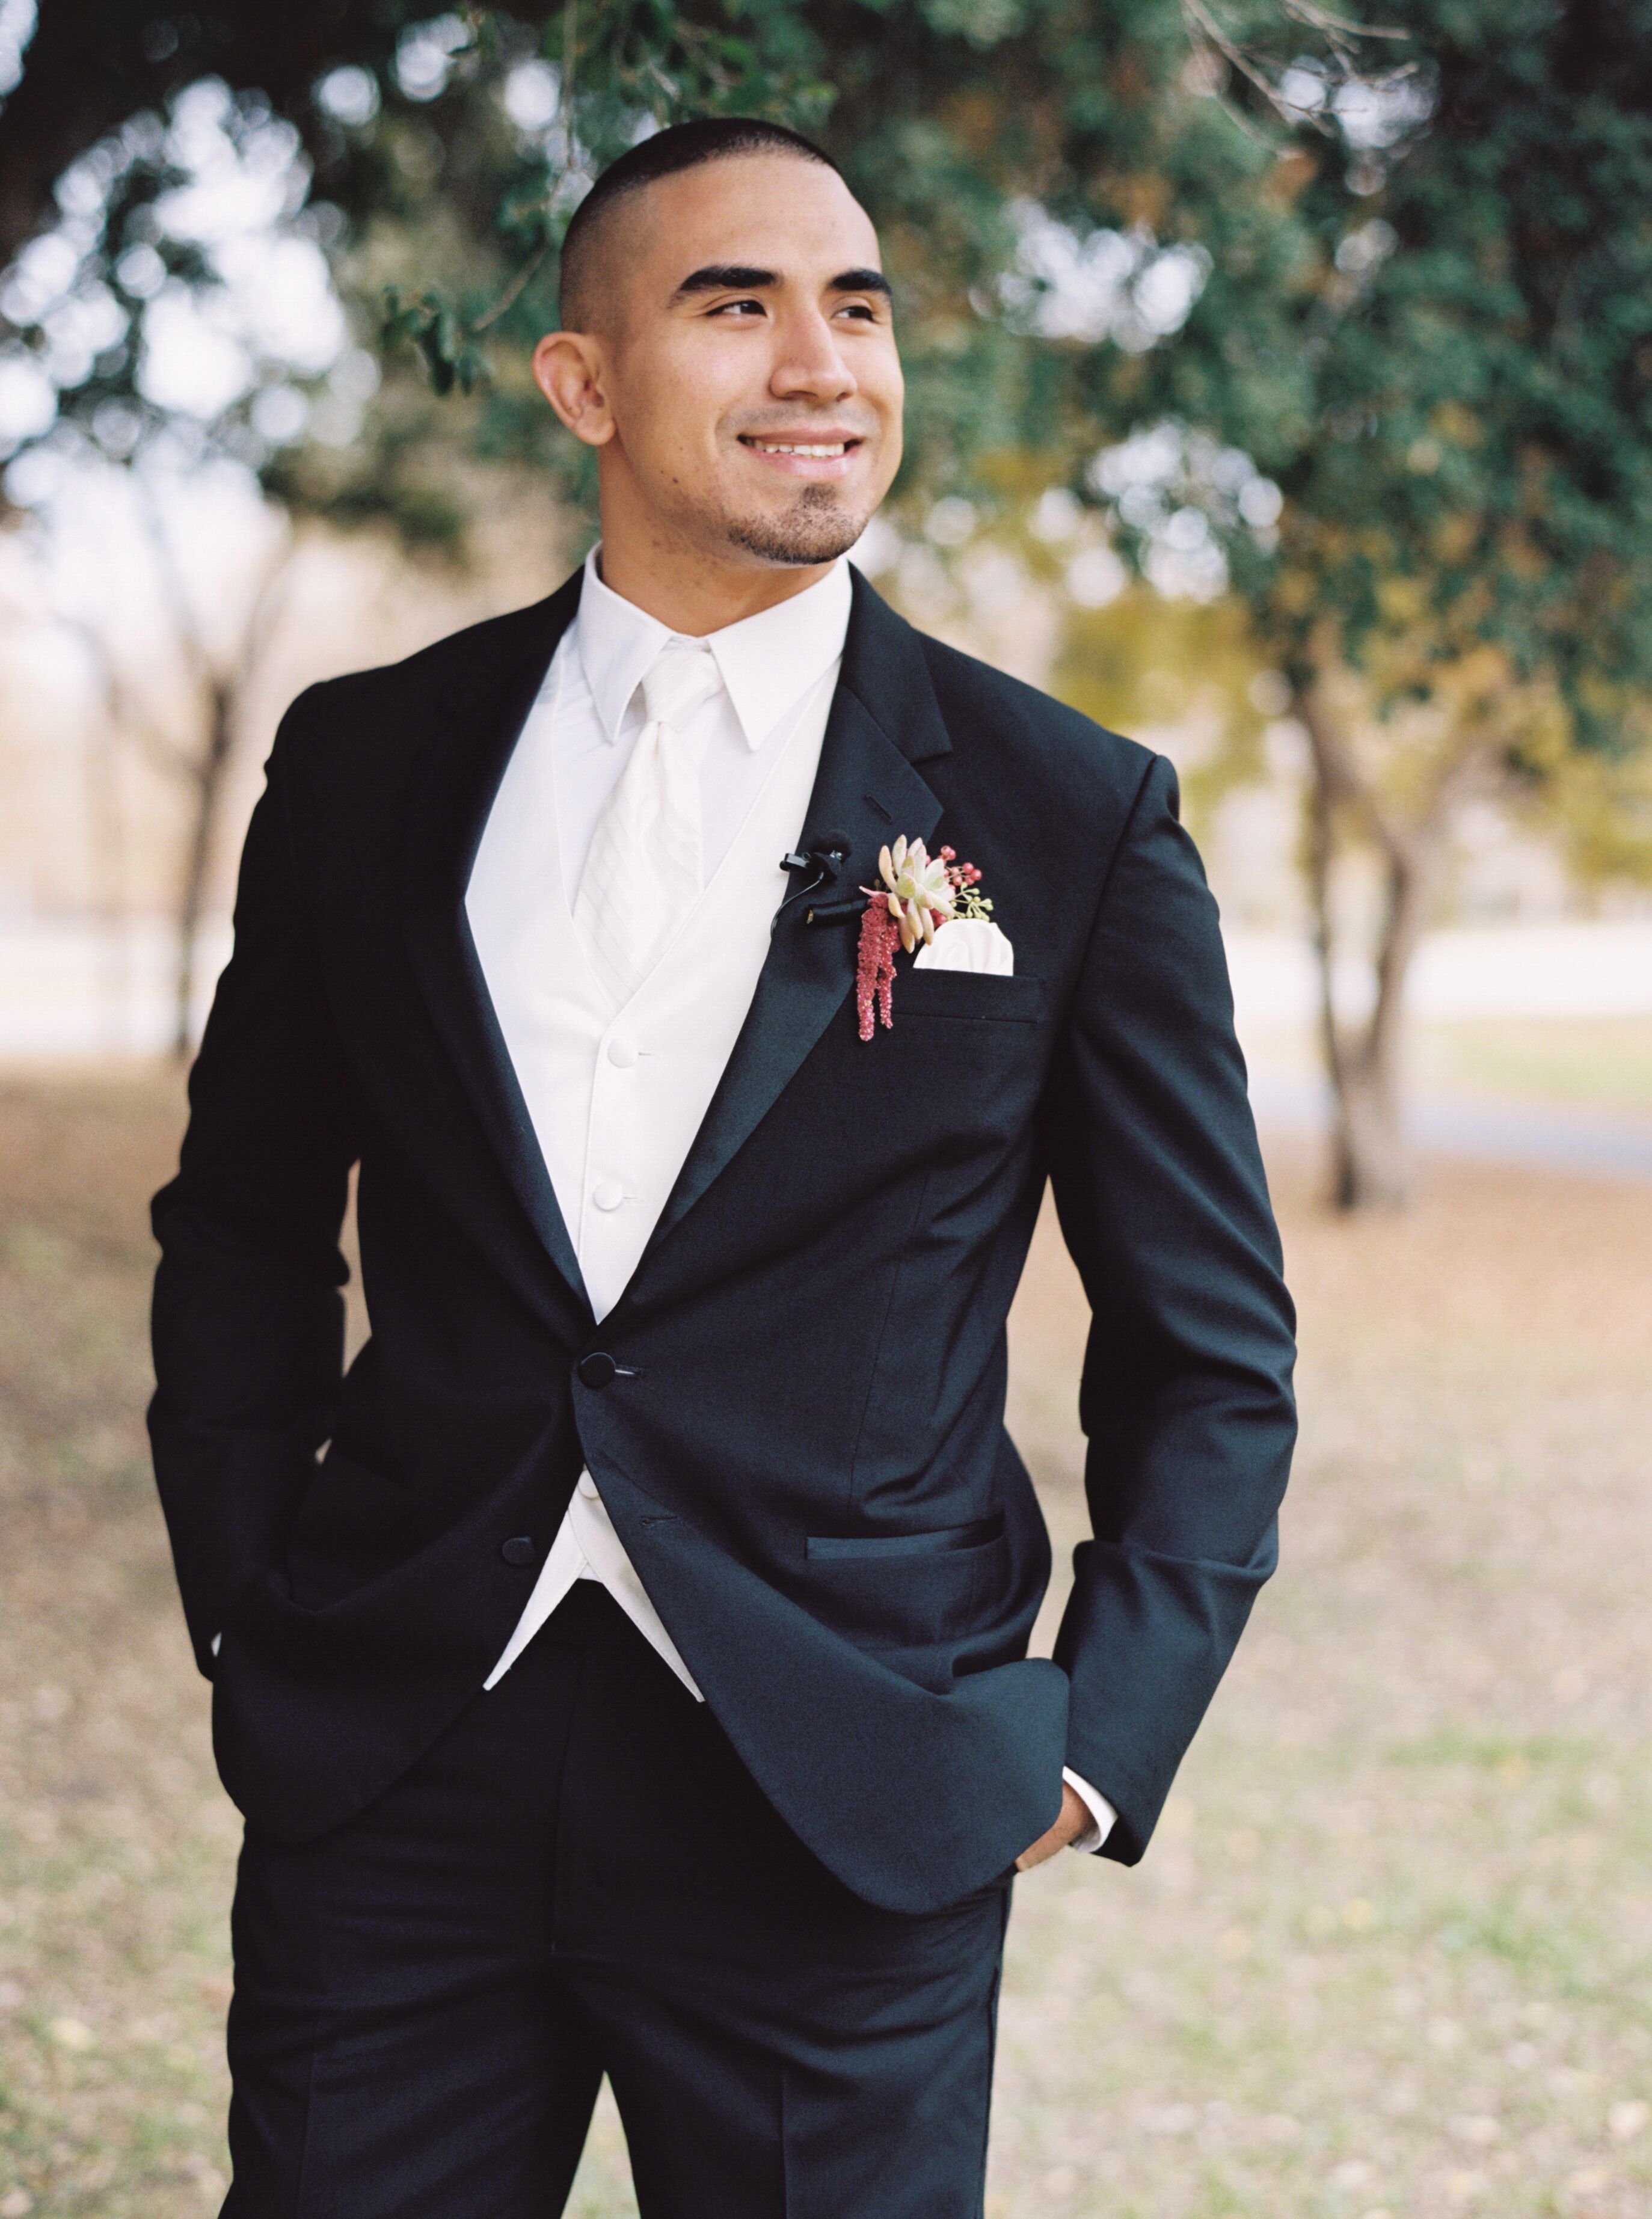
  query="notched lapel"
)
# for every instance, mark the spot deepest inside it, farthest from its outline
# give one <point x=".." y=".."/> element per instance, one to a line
<point x="452" y="792"/>
<point x="884" y="719"/>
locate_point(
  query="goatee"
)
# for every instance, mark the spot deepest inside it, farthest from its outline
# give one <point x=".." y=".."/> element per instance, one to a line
<point x="814" y="530"/>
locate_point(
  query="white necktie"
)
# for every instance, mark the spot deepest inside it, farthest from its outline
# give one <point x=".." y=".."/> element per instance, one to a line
<point x="645" y="871"/>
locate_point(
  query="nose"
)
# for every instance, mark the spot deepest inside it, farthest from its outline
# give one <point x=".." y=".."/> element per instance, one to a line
<point x="810" y="364"/>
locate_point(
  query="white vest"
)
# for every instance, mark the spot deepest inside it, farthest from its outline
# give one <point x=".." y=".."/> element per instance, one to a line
<point x="617" y="1096"/>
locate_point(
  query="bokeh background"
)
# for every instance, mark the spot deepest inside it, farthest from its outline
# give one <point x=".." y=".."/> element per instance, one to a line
<point x="1281" y="393"/>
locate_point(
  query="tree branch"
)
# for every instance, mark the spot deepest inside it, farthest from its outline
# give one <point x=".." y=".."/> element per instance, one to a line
<point x="269" y="606"/>
<point x="124" y="709"/>
<point x="185" y="622"/>
<point x="1338" y="771"/>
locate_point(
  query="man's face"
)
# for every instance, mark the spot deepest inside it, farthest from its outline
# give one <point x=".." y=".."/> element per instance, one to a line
<point x="748" y="362"/>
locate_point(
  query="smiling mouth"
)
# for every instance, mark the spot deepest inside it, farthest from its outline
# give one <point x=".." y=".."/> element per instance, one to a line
<point x="823" y="451"/>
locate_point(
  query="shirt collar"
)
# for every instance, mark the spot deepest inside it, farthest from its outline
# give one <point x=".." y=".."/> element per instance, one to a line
<point x="766" y="662"/>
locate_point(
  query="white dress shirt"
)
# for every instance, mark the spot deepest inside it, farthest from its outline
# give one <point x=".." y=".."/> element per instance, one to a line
<point x="616" y="1094"/>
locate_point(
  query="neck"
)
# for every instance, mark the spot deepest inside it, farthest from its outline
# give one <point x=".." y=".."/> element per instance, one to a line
<point x="683" y="586"/>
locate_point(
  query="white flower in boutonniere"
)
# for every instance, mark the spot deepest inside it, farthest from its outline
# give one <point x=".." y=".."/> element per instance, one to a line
<point x="921" y="895"/>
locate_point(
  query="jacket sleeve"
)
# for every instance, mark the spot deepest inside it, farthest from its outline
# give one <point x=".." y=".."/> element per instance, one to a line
<point x="248" y="1318"/>
<point x="1186" y="1398"/>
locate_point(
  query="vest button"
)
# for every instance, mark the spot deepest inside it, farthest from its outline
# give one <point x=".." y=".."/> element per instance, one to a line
<point x="608" y="1194"/>
<point x="597" y="1368"/>
<point x="622" y="1054"/>
<point x="519" y="1550"/>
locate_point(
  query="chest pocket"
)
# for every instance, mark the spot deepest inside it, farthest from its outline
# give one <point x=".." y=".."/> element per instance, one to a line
<point x="967" y="997"/>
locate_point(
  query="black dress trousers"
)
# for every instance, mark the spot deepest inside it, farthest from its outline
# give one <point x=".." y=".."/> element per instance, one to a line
<point x="581" y="1878"/>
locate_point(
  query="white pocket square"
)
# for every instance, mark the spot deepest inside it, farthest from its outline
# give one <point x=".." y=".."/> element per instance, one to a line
<point x="967" y="944"/>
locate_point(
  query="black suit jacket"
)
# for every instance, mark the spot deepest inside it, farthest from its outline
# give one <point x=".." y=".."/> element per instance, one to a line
<point x="799" y="1436"/>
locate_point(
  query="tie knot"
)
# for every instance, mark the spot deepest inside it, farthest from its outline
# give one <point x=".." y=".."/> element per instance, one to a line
<point x="682" y="679"/>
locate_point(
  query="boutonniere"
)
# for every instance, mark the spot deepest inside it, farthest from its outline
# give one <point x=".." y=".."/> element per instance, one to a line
<point x="919" y="893"/>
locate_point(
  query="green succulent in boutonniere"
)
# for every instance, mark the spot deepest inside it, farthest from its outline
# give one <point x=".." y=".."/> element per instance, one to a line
<point x="918" y="891"/>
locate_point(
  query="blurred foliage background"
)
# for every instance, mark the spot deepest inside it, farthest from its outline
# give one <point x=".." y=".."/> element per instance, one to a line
<point x="1281" y="391"/>
<point x="1345" y="325"/>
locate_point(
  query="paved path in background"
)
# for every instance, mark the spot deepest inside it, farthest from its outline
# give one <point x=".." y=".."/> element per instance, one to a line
<point x="1491" y="1130"/>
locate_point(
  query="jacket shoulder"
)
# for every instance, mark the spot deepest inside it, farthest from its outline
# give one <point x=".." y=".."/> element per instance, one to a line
<point x="1044" y="736"/>
<point x="473" y="654"/>
<point x="348" y="748"/>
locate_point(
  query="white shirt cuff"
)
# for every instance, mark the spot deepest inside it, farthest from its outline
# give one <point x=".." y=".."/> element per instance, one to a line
<point x="1100" y="1809"/>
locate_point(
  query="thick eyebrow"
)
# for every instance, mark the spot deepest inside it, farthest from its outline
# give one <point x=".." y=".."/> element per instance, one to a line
<point x="861" y="281"/>
<point x="740" y="277"/>
<point x="726" y="277"/>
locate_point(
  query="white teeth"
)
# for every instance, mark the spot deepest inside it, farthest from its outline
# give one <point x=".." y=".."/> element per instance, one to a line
<point x="775" y="447"/>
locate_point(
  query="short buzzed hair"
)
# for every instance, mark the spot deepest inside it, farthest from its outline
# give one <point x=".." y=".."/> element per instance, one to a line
<point x="680" y="147"/>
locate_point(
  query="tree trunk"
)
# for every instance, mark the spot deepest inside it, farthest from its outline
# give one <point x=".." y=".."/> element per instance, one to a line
<point x="106" y="843"/>
<point x="1371" y="1164"/>
<point x="208" y="787"/>
<point x="222" y="692"/>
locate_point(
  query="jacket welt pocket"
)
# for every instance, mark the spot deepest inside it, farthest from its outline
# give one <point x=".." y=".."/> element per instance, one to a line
<point x="983" y="995"/>
<point x="885" y="1548"/>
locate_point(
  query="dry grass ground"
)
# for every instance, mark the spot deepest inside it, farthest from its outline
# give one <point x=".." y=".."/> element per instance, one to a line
<point x="1392" y="1951"/>
<point x="1603" y="1063"/>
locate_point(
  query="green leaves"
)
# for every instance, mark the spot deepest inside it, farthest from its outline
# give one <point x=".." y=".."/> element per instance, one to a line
<point x="1415" y="273"/>
<point x="1502" y="460"/>
<point x="438" y="335"/>
<point x="619" y="68"/>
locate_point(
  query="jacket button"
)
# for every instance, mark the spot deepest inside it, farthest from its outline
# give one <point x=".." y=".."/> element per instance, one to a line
<point x="519" y="1551"/>
<point x="597" y="1368"/>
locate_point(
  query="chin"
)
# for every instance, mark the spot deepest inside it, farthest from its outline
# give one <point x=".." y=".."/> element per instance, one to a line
<point x="816" y="529"/>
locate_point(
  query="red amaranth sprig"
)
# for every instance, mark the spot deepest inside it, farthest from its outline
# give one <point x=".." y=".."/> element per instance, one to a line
<point x="875" y="962"/>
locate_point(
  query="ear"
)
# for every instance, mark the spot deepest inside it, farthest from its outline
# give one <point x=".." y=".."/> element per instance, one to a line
<point x="568" y="370"/>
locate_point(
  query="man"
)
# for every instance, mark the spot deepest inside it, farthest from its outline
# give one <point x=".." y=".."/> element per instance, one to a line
<point x="635" y="1680"/>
